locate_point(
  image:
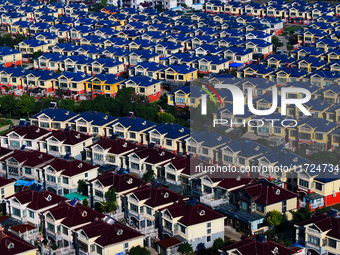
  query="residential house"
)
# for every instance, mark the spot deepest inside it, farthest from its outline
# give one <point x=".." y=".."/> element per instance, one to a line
<point x="145" y="86"/>
<point x="26" y="206"/>
<point x="195" y="223"/>
<point x="23" y="137"/>
<point x="61" y="176"/>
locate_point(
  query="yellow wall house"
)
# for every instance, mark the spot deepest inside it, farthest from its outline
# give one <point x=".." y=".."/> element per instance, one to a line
<point x="21" y="28"/>
<point x="149" y="69"/>
<point x="104" y="84"/>
<point x="31" y="46"/>
<point x="197" y="224"/>
<point x="185" y="96"/>
<point x="6" y="187"/>
<point x="180" y="73"/>
<point x="109" y="237"/>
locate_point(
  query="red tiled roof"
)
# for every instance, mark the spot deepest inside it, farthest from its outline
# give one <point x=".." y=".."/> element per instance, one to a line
<point x="108" y="234"/>
<point x="70" y="168"/>
<point x="71" y="137"/>
<point x="30" y="158"/>
<point x="120" y="182"/>
<point x="154" y="155"/>
<point x="4" y="151"/>
<point x="28" y="132"/>
<point x="169" y="242"/>
<point x="118" y="146"/>
<point x="19" y="245"/>
<point x="233" y="180"/>
<point x="193" y="214"/>
<point x="250" y="246"/>
<point x="22" y="228"/>
<point x="75" y="215"/>
<point x="187" y="165"/>
<point x="37" y="200"/>
<point x="4" y="181"/>
<point x="157" y="196"/>
<point x="266" y="193"/>
<point x="324" y="223"/>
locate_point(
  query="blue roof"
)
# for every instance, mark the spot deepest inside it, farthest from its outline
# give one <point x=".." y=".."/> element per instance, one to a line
<point x="182" y="69"/>
<point x="135" y="123"/>
<point x="45" y="74"/>
<point x="34" y="43"/>
<point x="247" y="148"/>
<point x="96" y="118"/>
<point x="76" y="76"/>
<point x="209" y="139"/>
<point x="320" y="125"/>
<point x="56" y="114"/>
<point x="7" y="51"/>
<point x="171" y="130"/>
<point x="150" y="66"/>
<point x="109" y="78"/>
<point x="143" y="81"/>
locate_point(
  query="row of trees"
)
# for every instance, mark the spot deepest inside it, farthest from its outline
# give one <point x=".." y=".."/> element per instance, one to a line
<point x="125" y="101"/>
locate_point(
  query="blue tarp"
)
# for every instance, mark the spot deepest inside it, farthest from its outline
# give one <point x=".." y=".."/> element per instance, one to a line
<point x="235" y="64"/>
<point x="23" y="182"/>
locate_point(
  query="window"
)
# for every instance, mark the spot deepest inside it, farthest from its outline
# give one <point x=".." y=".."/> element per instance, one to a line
<point x="242" y="161"/>
<point x="65" y="231"/>
<point x="98" y="193"/>
<point x="205" y="151"/>
<point x="65" y="180"/>
<point x="148" y="211"/>
<point x="303" y="183"/>
<point x="148" y="223"/>
<point x="132" y="135"/>
<point x="284" y="206"/>
<point x="50" y="227"/>
<point x="259" y="207"/>
<point x="97" y="156"/>
<point x="180" y="77"/>
<point x="168" y="142"/>
<point x="208" y="239"/>
<point x="107" y="87"/>
<point x="31" y="214"/>
<point x="66" y="191"/>
<point x="28" y="170"/>
<point x="318" y="136"/>
<point x="95" y="129"/>
<point x="332" y="243"/>
<point x="245" y="206"/>
<point x="313" y="240"/>
<point x="16" y="212"/>
<point x="182" y="229"/>
<point x="133" y="207"/>
<point x="51" y="178"/>
<point x="318" y="186"/>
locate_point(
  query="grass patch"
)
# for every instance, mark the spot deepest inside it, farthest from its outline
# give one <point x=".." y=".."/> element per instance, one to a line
<point x="292" y="28"/>
<point x="4" y="131"/>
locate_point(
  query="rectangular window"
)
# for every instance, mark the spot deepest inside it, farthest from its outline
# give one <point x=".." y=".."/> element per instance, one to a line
<point x="182" y="229"/>
<point x="65" y="231"/>
<point x="284" y="206"/>
<point x="99" y="193"/>
<point x="314" y="240"/>
<point x="318" y="186"/>
<point x="134" y="208"/>
<point x="332" y="243"/>
<point x="31" y="214"/>
<point x="65" y="180"/>
<point x="28" y="171"/>
<point x="303" y="183"/>
<point x="16" y="212"/>
<point x="50" y="227"/>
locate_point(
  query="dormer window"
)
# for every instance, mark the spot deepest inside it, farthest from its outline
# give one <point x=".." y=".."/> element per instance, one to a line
<point x="202" y="213"/>
<point x="10" y="246"/>
<point x="80" y="165"/>
<point x="166" y="195"/>
<point x="277" y="192"/>
<point x="49" y="198"/>
<point x="120" y="232"/>
<point x="84" y="214"/>
<point x="130" y="181"/>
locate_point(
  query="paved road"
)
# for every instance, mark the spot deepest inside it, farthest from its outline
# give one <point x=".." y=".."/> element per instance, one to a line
<point x="232" y="234"/>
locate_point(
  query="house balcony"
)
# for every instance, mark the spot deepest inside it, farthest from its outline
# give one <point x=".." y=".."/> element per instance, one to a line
<point x="54" y="153"/>
<point x="213" y="202"/>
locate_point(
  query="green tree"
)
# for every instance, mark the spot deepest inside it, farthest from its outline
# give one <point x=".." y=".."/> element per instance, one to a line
<point x="86" y="202"/>
<point x="185" y="248"/>
<point x="274" y="218"/>
<point x="82" y="187"/>
<point x="165" y="117"/>
<point x="68" y="104"/>
<point x="111" y="201"/>
<point x="46" y="101"/>
<point x="26" y="105"/>
<point x="37" y="54"/>
<point x="218" y="243"/>
<point x="138" y="250"/>
<point x="149" y="175"/>
<point x="301" y="214"/>
<point x="276" y="43"/>
<point x="8" y="104"/>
